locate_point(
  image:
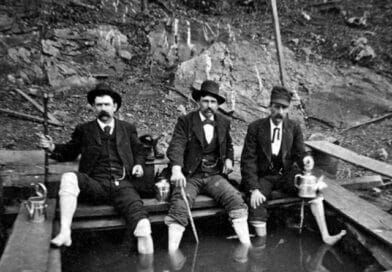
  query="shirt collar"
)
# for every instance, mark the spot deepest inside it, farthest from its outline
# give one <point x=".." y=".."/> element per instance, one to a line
<point x="276" y="126"/>
<point x="102" y="125"/>
<point x="202" y="117"/>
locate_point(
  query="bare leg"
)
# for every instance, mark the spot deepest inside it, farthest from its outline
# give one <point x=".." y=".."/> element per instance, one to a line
<point x="241" y="228"/>
<point x="69" y="190"/>
<point x="142" y="231"/>
<point x="175" y="236"/>
<point x="260" y="228"/>
<point x="317" y="208"/>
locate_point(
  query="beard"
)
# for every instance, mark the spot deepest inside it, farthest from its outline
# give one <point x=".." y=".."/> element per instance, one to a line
<point x="102" y="115"/>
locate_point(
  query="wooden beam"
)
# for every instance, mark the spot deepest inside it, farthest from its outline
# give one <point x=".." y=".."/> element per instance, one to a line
<point x="364" y="182"/>
<point x="38" y="106"/>
<point x="369" y="217"/>
<point x="12" y="158"/>
<point x="344" y="154"/>
<point x="28" y="117"/>
<point x="278" y="42"/>
<point x="28" y="246"/>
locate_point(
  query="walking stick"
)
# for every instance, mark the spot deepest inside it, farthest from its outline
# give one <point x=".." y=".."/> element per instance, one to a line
<point x="46" y="98"/>
<point x="189" y="214"/>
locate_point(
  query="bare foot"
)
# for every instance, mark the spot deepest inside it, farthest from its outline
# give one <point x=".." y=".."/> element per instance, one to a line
<point x="240" y="253"/>
<point x="145" y="245"/>
<point x="333" y="239"/>
<point x="62" y="239"/>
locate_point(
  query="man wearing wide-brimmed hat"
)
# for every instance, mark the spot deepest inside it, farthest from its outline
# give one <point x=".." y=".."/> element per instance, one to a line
<point x="111" y="155"/>
<point x="201" y="155"/>
<point x="273" y="153"/>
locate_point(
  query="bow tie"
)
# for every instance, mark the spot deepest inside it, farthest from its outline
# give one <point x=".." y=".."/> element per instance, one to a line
<point x="208" y="122"/>
<point x="275" y="134"/>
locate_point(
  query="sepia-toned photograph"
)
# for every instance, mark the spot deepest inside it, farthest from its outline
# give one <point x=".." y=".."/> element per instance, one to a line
<point x="196" y="135"/>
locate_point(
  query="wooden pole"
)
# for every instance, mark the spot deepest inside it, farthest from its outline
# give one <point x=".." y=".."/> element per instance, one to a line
<point x="278" y="42"/>
<point x="46" y="164"/>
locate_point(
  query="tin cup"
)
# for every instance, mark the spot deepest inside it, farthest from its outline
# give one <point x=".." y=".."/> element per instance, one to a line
<point x="162" y="190"/>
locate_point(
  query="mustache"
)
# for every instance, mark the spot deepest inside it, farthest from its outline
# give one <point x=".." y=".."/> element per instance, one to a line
<point x="279" y="116"/>
<point x="103" y="114"/>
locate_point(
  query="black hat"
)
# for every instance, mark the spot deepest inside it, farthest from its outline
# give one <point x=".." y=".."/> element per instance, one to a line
<point x="103" y="89"/>
<point x="208" y="87"/>
<point x="281" y="95"/>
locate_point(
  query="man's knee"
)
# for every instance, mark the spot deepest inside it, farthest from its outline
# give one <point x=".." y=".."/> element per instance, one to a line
<point x="239" y="213"/>
<point x="69" y="184"/>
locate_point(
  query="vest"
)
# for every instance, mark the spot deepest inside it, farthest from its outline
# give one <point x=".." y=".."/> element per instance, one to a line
<point x="276" y="166"/>
<point x="210" y="161"/>
<point x="108" y="165"/>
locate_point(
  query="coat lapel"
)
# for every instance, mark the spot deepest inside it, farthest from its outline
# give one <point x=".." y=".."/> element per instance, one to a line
<point x="265" y="134"/>
<point x="94" y="131"/>
<point x="197" y="127"/>
<point x="220" y="128"/>
<point x="120" y="134"/>
<point x="286" y="136"/>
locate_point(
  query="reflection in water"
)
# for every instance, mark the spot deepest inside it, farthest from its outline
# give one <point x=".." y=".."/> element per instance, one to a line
<point x="282" y="250"/>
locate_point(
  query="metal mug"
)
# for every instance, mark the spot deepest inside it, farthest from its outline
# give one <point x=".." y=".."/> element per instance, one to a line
<point x="36" y="205"/>
<point x="162" y="190"/>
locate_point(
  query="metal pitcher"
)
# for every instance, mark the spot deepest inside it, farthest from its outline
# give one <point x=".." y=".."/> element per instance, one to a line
<point x="162" y="190"/>
<point x="36" y="205"/>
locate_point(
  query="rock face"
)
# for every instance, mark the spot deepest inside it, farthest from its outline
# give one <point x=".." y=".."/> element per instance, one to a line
<point x="247" y="72"/>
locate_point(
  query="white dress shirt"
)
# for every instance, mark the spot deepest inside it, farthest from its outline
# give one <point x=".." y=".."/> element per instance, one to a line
<point x="208" y="128"/>
<point x="102" y="125"/>
<point x="277" y="142"/>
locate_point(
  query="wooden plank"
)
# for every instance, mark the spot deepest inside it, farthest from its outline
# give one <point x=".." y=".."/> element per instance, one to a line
<point x="364" y="182"/>
<point x="113" y="223"/>
<point x="342" y="153"/>
<point x="380" y="252"/>
<point x="36" y="157"/>
<point x="368" y="216"/>
<point x="28" y="246"/>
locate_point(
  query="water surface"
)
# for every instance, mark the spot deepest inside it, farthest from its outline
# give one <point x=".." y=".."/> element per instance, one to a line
<point x="285" y="250"/>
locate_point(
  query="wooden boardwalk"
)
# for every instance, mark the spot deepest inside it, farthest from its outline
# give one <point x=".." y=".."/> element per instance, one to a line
<point x="28" y="247"/>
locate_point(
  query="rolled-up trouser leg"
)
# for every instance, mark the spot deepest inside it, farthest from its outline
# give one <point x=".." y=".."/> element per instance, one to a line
<point x="69" y="191"/>
<point x="231" y="199"/>
<point x="178" y="211"/>
<point x="144" y="240"/>
<point x="128" y="202"/>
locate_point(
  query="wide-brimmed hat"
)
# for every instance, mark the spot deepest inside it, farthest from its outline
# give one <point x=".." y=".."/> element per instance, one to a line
<point x="103" y="89"/>
<point x="281" y="95"/>
<point x="208" y="87"/>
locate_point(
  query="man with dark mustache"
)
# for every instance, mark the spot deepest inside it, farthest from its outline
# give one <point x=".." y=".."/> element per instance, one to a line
<point x="274" y="152"/>
<point x="201" y="155"/>
<point x="111" y="154"/>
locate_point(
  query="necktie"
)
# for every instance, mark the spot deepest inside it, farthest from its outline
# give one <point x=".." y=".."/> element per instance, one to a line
<point x="208" y="122"/>
<point x="275" y="134"/>
<point x="106" y="129"/>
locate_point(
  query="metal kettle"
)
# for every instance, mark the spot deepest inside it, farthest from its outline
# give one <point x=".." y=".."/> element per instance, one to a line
<point x="308" y="184"/>
<point x="36" y="205"/>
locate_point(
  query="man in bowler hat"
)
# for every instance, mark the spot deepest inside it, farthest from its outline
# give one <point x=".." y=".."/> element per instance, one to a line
<point x="201" y="155"/>
<point x="111" y="155"/>
<point x="273" y="153"/>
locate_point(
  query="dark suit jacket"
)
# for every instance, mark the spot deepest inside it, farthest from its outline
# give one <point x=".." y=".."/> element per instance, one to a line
<point x="186" y="146"/>
<point x="86" y="140"/>
<point x="256" y="155"/>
